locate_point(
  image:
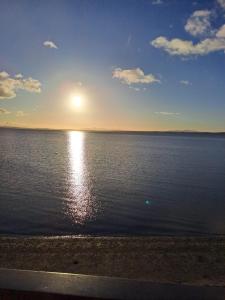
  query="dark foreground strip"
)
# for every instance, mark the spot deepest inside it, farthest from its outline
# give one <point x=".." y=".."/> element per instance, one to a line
<point x="94" y="287"/>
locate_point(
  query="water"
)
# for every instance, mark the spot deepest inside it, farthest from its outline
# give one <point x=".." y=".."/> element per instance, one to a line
<point x="59" y="183"/>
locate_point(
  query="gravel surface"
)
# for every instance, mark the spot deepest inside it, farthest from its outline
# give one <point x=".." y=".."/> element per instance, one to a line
<point x="190" y="260"/>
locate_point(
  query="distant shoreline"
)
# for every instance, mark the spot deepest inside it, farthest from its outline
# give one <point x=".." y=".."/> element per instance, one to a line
<point x="153" y="132"/>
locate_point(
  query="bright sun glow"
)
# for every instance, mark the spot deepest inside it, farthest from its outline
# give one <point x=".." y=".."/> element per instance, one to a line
<point x="77" y="101"/>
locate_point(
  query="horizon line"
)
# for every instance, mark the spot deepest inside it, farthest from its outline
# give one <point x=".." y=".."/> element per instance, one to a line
<point x="113" y="130"/>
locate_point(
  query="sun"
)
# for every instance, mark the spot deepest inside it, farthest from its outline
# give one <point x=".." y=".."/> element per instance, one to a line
<point x="77" y="100"/>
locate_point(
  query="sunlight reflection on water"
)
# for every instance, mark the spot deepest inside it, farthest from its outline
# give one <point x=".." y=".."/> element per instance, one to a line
<point x="62" y="183"/>
<point x="80" y="206"/>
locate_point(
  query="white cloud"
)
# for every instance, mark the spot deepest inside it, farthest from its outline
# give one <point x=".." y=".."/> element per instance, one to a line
<point x="4" y="111"/>
<point x="9" y="85"/>
<point x="185" y="48"/>
<point x="20" y="113"/>
<point x="19" y="75"/>
<point x="129" y="76"/>
<point x="134" y="88"/>
<point x="199" y="23"/>
<point x="3" y="75"/>
<point x="7" y="90"/>
<point x="185" y="82"/>
<point x="222" y="3"/>
<point x="221" y="32"/>
<point x="30" y="85"/>
<point x="201" y="13"/>
<point x="167" y="113"/>
<point x="50" y="44"/>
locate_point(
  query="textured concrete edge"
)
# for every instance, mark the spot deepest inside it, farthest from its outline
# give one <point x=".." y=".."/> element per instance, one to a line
<point x="101" y="287"/>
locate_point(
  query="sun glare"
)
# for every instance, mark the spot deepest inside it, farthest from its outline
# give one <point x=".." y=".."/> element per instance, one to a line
<point x="77" y="101"/>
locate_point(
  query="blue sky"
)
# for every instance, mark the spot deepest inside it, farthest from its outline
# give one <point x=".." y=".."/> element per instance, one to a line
<point x="134" y="65"/>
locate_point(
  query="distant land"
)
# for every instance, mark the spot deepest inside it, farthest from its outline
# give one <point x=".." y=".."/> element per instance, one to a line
<point x="155" y="132"/>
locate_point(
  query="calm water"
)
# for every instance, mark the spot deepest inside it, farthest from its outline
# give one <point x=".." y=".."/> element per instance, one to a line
<point x="101" y="183"/>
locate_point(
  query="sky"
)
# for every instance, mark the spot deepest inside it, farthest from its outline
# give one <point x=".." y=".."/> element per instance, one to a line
<point x="113" y="65"/>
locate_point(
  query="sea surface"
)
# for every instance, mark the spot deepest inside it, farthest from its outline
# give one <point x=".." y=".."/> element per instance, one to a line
<point x="83" y="183"/>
